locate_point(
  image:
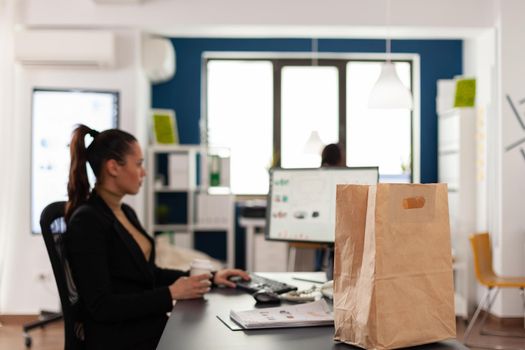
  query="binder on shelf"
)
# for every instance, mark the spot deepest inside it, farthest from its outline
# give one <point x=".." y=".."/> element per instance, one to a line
<point x="225" y="172"/>
<point x="465" y="92"/>
<point x="178" y="171"/>
<point x="165" y="126"/>
<point x="219" y="171"/>
<point x="214" y="209"/>
<point x="215" y="170"/>
<point x="204" y="171"/>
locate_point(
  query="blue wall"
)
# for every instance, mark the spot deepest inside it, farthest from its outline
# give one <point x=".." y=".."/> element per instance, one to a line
<point x="439" y="59"/>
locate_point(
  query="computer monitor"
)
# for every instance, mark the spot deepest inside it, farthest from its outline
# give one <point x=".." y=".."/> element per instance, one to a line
<point x="301" y="202"/>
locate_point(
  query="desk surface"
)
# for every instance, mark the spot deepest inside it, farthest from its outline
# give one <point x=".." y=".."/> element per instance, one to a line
<point x="193" y="325"/>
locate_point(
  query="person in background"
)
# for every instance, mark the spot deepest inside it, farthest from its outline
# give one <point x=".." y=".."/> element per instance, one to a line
<point x="124" y="296"/>
<point x="331" y="156"/>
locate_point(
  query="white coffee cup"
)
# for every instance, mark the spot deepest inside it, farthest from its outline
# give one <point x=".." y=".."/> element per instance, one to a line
<point x="200" y="266"/>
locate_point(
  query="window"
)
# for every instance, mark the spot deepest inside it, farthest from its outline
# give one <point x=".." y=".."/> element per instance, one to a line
<point x="239" y="117"/>
<point x="309" y="103"/>
<point x="56" y="111"/>
<point x="265" y="109"/>
<point x="375" y="136"/>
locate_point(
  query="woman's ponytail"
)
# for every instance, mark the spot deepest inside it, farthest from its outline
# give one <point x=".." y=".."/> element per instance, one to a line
<point x="106" y="145"/>
<point x="78" y="184"/>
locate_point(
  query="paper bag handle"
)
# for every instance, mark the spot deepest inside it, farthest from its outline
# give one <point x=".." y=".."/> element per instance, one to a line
<point x="417" y="202"/>
<point x="412" y="202"/>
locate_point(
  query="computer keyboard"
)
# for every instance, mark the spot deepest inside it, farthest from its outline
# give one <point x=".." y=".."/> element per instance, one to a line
<point x="258" y="282"/>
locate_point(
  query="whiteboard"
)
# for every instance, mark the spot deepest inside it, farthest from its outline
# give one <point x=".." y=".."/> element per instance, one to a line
<point x="301" y="202"/>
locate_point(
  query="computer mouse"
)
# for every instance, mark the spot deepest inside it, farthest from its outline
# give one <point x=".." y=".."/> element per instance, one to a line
<point x="266" y="297"/>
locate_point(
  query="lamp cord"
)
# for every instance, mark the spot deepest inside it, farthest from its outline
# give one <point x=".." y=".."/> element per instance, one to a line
<point x="315" y="51"/>
<point x="388" y="39"/>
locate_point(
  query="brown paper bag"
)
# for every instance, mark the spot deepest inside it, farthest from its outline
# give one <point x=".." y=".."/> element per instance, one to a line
<point x="393" y="281"/>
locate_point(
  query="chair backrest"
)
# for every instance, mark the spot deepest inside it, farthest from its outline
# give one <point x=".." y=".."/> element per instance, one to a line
<point x="53" y="228"/>
<point x="482" y="253"/>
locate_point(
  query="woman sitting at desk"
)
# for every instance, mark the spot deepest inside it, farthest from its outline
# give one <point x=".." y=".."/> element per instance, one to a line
<point x="124" y="295"/>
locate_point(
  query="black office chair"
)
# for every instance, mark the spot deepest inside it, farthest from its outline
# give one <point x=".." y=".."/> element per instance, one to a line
<point x="53" y="231"/>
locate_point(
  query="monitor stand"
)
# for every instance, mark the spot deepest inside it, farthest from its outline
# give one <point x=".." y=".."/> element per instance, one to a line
<point x="329" y="270"/>
<point x="330" y="267"/>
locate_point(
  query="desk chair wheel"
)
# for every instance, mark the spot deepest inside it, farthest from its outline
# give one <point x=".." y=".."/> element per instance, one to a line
<point x="27" y="340"/>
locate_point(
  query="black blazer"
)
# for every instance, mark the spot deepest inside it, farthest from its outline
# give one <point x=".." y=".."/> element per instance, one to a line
<point x="124" y="298"/>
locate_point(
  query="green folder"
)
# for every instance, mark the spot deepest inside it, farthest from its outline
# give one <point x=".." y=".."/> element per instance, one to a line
<point x="165" y="127"/>
<point x="465" y="93"/>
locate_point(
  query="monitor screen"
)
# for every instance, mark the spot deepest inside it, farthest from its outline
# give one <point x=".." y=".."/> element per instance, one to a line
<point x="301" y="202"/>
<point x="55" y="113"/>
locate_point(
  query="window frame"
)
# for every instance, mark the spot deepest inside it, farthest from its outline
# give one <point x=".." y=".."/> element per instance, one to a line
<point x="338" y="60"/>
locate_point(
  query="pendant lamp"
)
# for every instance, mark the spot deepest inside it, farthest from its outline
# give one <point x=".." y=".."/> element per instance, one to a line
<point x="388" y="91"/>
<point x="314" y="144"/>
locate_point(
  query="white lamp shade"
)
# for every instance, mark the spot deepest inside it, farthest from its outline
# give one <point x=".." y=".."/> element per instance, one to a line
<point x="314" y="144"/>
<point x="389" y="92"/>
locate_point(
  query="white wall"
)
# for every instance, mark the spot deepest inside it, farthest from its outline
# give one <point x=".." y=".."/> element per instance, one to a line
<point x="7" y="178"/>
<point x="26" y="259"/>
<point x="480" y="61"/>
<point x="496" y="59"/>
<point x="509" y="230"/>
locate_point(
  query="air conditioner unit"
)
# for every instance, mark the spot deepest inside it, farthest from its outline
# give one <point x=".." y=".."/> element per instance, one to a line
<point x="158" y="59"/>
<point x="65" y="48"/>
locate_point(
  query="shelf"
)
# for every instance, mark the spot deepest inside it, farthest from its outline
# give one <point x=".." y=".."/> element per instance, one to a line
<point x="211" y="227"/>
<point x="211" y="190"/>
<point x="176" y="148"/>
<point x="172" y="227"/>
<point x="178" y="181"/>
<point x="166" y="189"/>
<point x="194" y="227"/>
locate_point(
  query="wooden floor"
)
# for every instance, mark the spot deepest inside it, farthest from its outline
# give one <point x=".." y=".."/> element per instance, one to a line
<point x="51" y="337"/>
<point x="478" y="342"/>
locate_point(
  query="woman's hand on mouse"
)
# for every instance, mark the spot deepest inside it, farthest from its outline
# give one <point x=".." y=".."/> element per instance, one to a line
<point x="190" y="287"/>
<point x="221" y="277"/>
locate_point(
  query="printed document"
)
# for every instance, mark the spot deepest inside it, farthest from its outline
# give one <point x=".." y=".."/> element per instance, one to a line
<point x="316" y="313"/>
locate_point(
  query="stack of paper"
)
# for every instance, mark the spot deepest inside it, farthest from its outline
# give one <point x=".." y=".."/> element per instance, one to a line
<point x="316" y="313"/>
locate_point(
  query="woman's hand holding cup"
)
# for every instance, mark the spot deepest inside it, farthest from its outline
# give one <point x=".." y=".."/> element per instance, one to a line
<point x="200" y="266"/>
<point x="197" y="284"/>
<point x="191" y="287"/>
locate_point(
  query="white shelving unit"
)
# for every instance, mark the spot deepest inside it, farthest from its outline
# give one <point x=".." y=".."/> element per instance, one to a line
<point x="457" y="168"/>
<point x="178" y="176"/>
